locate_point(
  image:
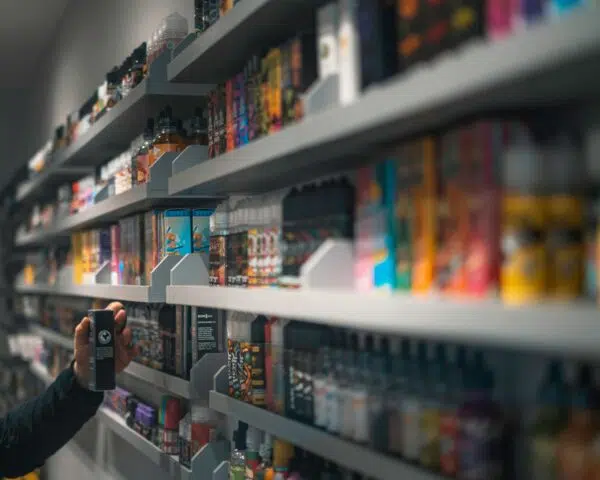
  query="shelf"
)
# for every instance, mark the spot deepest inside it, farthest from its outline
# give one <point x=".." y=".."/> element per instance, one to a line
<point x="138" y="198"/>
<point x="571" y="329"/>
<point x="166" y="462"/>
<point x="355" y="457"/>
<point x="52" y="336"/>
<point x="548" y="63"/>
<point x="114" y="131"/>
<point x="230" y="42"/>
<point x="41" y="372"/>
<point x="126" y="293"/>
<point x="168" y="383"/>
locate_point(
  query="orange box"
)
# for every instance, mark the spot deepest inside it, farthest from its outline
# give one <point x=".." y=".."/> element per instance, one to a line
<point x="424" y="222"/>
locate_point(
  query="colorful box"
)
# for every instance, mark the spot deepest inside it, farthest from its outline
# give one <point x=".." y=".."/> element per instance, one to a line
<point x="178" y="231"/>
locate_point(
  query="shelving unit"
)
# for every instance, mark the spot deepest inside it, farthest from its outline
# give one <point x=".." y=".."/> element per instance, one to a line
<point x="169" y="464"/>
<point x="342" y="452"/>
<point x="549" y="62"/>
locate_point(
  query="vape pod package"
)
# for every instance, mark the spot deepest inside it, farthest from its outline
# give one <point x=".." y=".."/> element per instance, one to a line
<point x="102" y="350"/>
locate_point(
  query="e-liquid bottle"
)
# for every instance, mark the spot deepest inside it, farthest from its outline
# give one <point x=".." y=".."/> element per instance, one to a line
<point x="253" y="437"/>
<point x="265" y="469"/>
<point x="379" y="391"/>
<point x="360" y="393"/>
<point x="334" y="382"/>
<point x="320" y="380"/>
<point x="348" y="378"/>
<point x="452" y="386"/>
<point x="411" y="410"/>
<point x="237" y="460"/>
<point x="398" y="385"/>
<point x="430" y="415"/>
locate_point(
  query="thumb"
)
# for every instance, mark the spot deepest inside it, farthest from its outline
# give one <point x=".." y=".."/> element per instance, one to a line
<point x="81" y="333"/>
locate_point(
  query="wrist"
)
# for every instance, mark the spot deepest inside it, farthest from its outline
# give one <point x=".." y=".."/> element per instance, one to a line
<point x="80" y="376"/>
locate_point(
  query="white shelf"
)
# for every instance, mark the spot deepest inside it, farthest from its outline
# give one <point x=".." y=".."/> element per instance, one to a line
<point x="166" y="462"/>
<point x="169" y="383"/>
<point x="52" y="336"/>
<point x="41" y="372"/>
<point x="350" y="455"/>
<point x="572" y="329"/>
<point x="127" y="293"/>
<point x="551" y="62"/>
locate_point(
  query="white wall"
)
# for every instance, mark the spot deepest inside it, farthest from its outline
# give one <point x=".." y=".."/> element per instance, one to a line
<point x="92" y="37"/>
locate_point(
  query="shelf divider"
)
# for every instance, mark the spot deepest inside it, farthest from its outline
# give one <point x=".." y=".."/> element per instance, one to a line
<point x="221" y="472"/>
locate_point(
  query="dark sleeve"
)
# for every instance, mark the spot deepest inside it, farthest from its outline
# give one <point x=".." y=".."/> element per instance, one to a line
<point x="40" y="427"/>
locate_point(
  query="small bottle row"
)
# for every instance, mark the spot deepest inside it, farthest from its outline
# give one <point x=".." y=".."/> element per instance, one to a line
<point x="419" y="401"/>
<point x="258" y="456"/>
<point x="171" y="426"/>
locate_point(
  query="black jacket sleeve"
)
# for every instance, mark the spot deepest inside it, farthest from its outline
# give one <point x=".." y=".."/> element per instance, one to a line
<point x="40" y="427"/>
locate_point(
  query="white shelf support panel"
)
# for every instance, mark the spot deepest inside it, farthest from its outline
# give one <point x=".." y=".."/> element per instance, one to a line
<point x="221" y="472"/>
<point x="354" y="457"/>
<point x="192" y="269"/>
<point x="203" y="374"/>
<point x="170" y="465"/>
<point x="52" y="336"/>
<point x="191" y="156"/>
<point x="331" y="266"/>
<point x="168" y="383"/>
<point x="208" y="459"/>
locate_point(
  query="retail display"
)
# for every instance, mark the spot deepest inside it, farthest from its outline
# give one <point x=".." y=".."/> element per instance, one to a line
<point x="234" y="235"/>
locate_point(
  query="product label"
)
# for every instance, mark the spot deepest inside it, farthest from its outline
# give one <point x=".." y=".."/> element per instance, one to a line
<point x="479" y="457"/>
<point x="237" y="472"/>
<point x="245" y="371"/>
<point x="411" y="428"/>
<point x="430" y="438"/>
<point x="232" y="360"/>
<point x="346" y="399"/>
<point x="333" y="407"/>
<point x="257" y="361"/>
<point x="544" y="464"/>
<point x="449" y="431"/>
<point x="320" y="401"/>
<point x="361" y="415"/>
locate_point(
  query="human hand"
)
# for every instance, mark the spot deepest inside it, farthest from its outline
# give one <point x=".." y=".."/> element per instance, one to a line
<point x="124" y="351"/>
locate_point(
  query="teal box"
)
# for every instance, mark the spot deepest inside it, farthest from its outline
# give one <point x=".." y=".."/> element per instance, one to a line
<point x="178" y="231"/>
<point x="201" y="230"/>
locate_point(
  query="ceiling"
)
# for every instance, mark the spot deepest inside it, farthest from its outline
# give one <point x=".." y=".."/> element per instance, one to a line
<point x="26" y="29"/>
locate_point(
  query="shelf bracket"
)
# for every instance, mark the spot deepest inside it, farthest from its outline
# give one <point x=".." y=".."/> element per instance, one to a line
<point x="191" y="156"/>
<point x="330" y="267"/>
<point x="208" y="459"/>
<point x="203" y="373"/>
<point x="221" y="472"/>
<point x="191" y="270"/>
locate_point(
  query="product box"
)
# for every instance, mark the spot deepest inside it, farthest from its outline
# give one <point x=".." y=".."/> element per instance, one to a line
<point x="211" y="127"/>
<point x="454" y="155"/>
<point x="375" y="246"/>
<point x="406" y="169"/>
<point x="182" y="357"/>
<point x="490" y="139"/>
<point x="221" y="120"/>
<point x="424" y="222"/>
<point x="167" y="326"/>
<point x="287" y="92"/>
<point x="177" y="231"/>
<point x="411" y="25"/>
<point x="349" y="52"/>
<point x="230" y="119"/>
<point x="468" y="21"/>
<point x="328" y="19"/>
<point x="275" y="95"/>
<point x="152" y="242"/>
<point x="253" y="97"/>
<point x="241" y="115"/>
<point x="377" y="33"/>
<point x="102" y="350"/>
<point x="157" y="356"/>
<point x="304" y="69"/>
<point x="201" y="231"/>
<point x="225" y="6"/>
<point x="207" y="332"/>
<point x="138" y="321"/>
<point x="438" y="27"/>
<point x="499" y="18"/>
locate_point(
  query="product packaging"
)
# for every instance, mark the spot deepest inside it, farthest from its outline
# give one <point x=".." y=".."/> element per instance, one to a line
<point x="102" y="350"/>
<point x="177" y="231"/>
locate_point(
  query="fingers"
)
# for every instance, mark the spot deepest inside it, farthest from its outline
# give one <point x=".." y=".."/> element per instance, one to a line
<point x="120" y="321"/>
<point x="116" y="307"/>
<point x="81" y="332"/>
<point x="127" y="336"/>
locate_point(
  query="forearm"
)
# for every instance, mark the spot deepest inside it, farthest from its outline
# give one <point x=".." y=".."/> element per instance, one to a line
<point x="40" y="427"/>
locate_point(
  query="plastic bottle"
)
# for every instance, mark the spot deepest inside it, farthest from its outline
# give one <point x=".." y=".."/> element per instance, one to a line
<point x="198" y="129"/>
<point x="575" y="454"/>
<point x="265" y="469"/>
<point x="334" y="382"/>
<point x="449" y="419"/>
<point x="548" y="424"/>
<point x="411" y="409"/>
<point x="430" y="415"/>
<point x="481" y="426"/>
<point x="346" y="391"/>
<point x="253" y="437"/>
<point x="320" y="379"/>
<point x="237" y="459"/>
<point x="360" y="393"/>
<point x="175" y="29"/>
<point x="169" y="137"/>
<point x="399" y="383"/>
<point x="379" y="374"/>
<point x="142" y="158"/>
